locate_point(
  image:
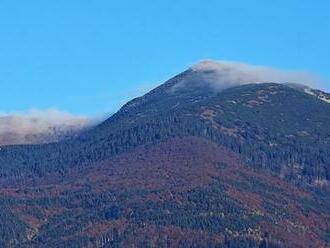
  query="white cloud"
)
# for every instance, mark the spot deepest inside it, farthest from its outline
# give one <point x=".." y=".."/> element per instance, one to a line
<point x="225" y="74"/>
<point x="16" y="126"/>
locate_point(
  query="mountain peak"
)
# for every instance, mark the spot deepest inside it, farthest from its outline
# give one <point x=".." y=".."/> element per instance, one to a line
<point x="207" y="65"/>
<point x="220" y="75"/>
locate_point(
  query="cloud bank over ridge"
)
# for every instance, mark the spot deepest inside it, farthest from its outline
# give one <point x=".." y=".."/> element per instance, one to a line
<point x="225" y="74"/>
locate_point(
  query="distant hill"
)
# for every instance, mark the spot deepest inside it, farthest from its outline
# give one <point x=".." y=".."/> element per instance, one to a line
<point x="200" y="161"/>
<point x="40" y="127"/>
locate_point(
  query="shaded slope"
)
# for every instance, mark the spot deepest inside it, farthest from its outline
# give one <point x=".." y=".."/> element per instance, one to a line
<point x="272" y="126"/>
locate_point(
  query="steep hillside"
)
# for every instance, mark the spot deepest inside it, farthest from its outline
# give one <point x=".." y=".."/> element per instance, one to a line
<point x="272" y="126"/>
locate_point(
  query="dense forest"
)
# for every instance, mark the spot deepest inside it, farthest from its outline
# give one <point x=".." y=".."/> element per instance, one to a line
<point x="185" y="192"/>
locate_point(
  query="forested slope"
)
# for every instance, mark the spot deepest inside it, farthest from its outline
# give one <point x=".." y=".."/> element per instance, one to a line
<point x="185" y="192"/>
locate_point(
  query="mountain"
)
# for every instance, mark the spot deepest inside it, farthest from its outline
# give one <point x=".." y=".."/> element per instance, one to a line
<point x="206" y="159"/>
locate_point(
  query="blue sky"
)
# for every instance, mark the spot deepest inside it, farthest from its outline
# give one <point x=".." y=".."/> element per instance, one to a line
<point x="89" y="57"/>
